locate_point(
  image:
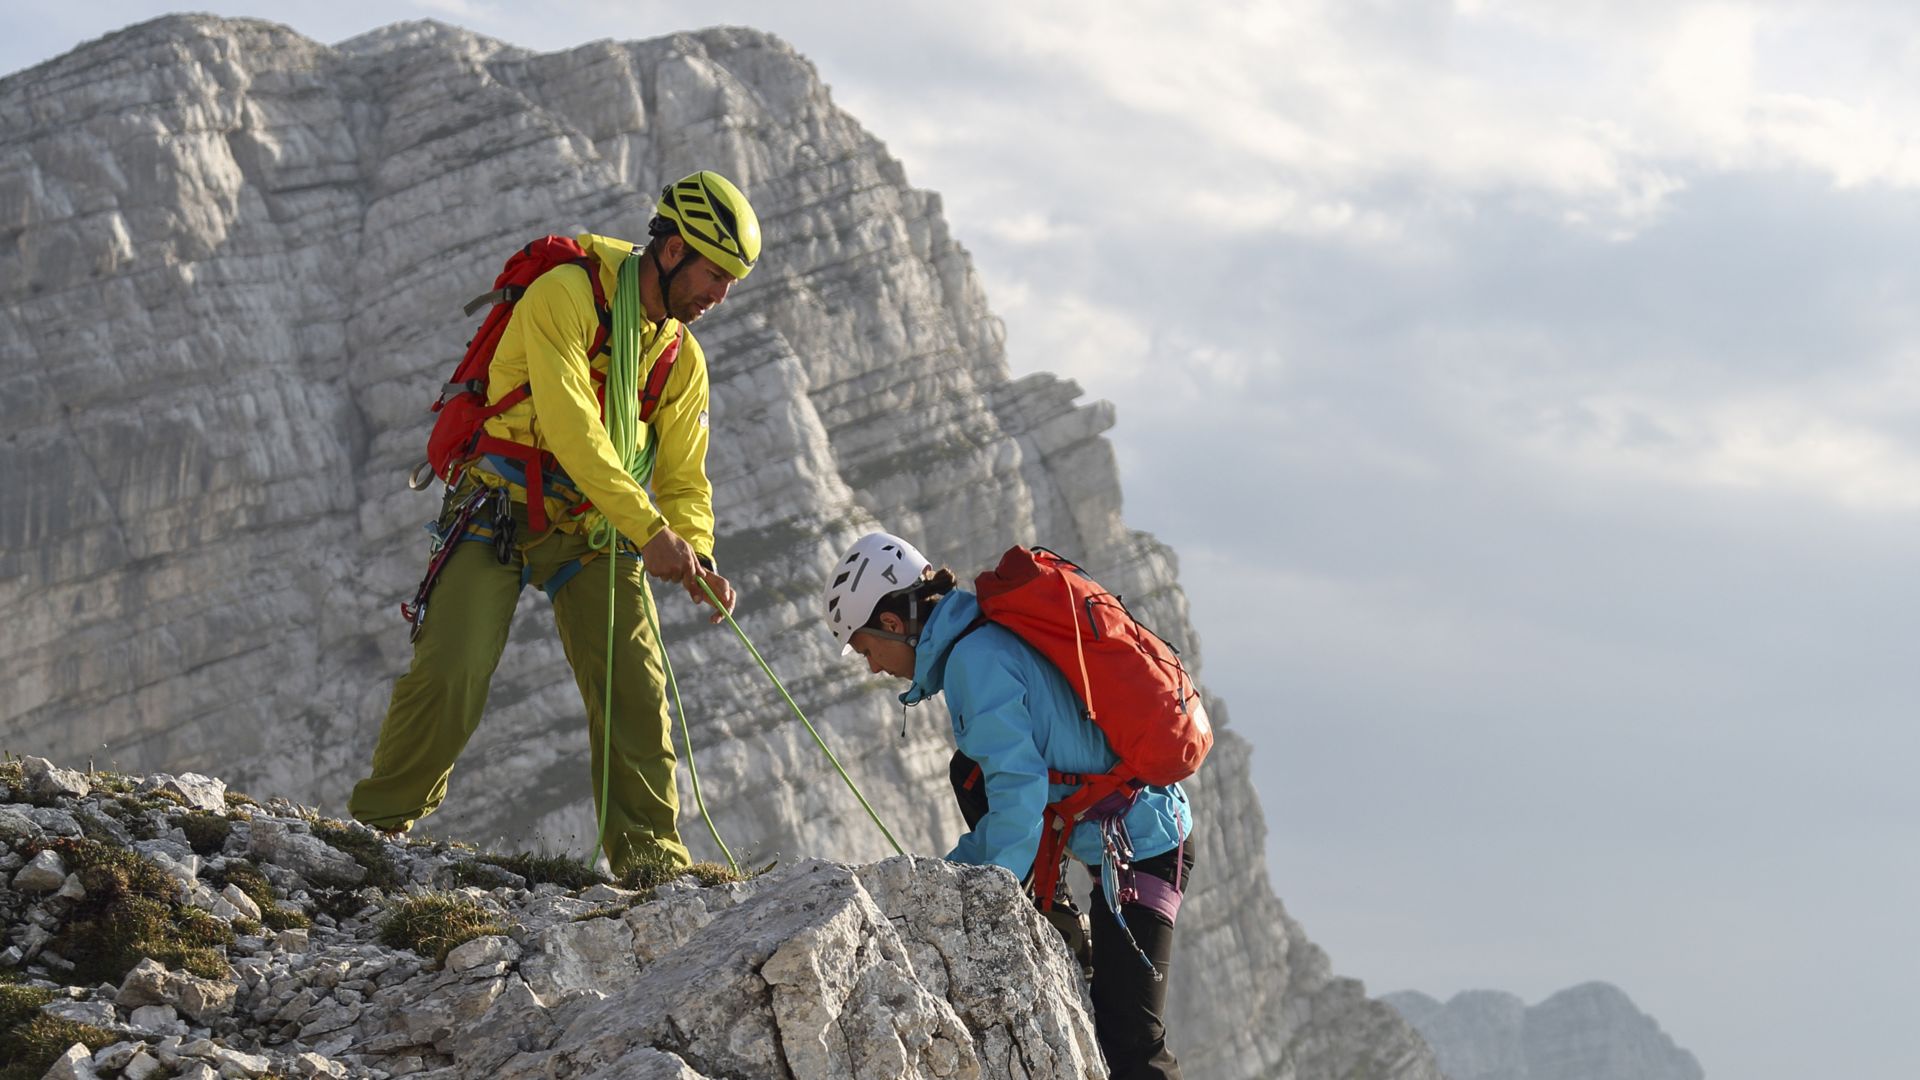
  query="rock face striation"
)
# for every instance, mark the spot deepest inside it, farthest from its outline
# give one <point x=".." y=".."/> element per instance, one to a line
<point x="232" y="261"/>
<point x="1589" y="1032"/>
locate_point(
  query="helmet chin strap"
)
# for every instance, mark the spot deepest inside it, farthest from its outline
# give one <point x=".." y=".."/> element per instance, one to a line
<point x="666" y="276"/>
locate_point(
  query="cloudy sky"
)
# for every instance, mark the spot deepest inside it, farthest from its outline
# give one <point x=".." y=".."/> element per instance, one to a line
<point x="1532" y="392"/>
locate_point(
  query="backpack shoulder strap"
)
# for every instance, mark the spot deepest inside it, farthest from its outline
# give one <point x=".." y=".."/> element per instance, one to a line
<point x="657" y="377"/>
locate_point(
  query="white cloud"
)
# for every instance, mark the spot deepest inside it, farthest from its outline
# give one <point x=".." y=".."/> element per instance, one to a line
<point x="1310" y="115"/>
<point x="1763" y="443"/>
<point x="1070" y="335"/>
<point x="1031" y="227"/>
<point x="1704" y="81"/>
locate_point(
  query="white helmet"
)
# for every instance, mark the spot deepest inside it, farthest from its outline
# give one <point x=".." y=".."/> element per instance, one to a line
<point x="877" y="565"/>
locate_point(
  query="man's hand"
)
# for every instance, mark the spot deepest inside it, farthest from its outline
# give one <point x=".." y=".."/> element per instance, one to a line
<point x="670" y="558"/>
<point x="722" y="589"/>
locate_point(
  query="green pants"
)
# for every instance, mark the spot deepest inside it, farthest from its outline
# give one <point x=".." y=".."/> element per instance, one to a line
<point x="437" y="704"/>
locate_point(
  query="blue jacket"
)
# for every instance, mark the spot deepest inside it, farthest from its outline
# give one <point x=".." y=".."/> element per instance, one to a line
<point x="1016" y="715"/>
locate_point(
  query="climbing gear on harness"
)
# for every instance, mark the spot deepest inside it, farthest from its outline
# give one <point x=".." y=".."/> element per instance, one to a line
<point x="713" y="217"/>
<point x="445" y="538"/>
<point x="1117" y="879"/>
<point x="877" y="566"/>
<point x="503" y="527"/>
<point x="462" y="408"/>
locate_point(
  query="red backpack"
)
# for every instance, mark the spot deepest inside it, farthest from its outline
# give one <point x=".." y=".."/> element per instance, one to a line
<point x="459" y="434"/>
<point x="1132" y="683"/>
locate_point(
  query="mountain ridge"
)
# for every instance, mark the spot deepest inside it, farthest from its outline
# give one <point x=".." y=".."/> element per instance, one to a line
<point x="1590" y="1031"/>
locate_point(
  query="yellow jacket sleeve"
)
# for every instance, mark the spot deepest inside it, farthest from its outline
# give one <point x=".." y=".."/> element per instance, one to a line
<point x="680" y="460"/>
<point x="556" y="320"/>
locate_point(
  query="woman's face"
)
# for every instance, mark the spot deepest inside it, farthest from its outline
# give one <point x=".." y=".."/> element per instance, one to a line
<point x="885" y="655"/>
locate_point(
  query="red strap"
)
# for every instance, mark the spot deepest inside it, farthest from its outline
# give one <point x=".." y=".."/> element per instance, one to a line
<point x="532" y="461"/>
<point x="508" y="400"/>
<point x="1058" y="823"/>
<point x="656" y="385"/>
<point x="657" y="378"/>
<point x="600" y="307"/>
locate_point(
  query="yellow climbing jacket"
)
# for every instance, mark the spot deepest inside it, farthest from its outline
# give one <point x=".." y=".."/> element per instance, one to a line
<point x="544" y="347"/>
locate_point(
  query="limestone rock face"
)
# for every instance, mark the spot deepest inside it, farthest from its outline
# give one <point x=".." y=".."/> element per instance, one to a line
<point x="1589" y="1032"/>
<point x="902" y="968"/>
<point x="233" y="261"/>
<point x="910" y="967"/>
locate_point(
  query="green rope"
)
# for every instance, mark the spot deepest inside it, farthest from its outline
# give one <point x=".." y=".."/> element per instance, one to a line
<point x="898" y="850"/>
<point x="606" y="711"/>
<point x="623" y="430"/>
<point x="686" y="732"/>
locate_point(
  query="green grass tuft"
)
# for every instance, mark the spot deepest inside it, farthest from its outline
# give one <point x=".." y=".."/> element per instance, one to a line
<point x="562" y="870"/>
<point x="206" y="833"/>
<point x="710" y="874"/>
<point x="30" y="1040"/>
<point x="113" y="783"/>
<point x="656" y="868"/>
<point x="132" y="911"/>
<point x="650" y="870"/>
<point x="435" y="924"/>
<point x="19" y="1004"/>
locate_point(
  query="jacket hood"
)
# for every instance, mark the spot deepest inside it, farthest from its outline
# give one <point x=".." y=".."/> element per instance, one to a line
<point x="951" y="617"/>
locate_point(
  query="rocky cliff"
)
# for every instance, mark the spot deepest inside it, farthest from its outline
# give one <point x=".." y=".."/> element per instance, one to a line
<point x="165" y="927"/>
<point x="1589" y="1032"/>
<point x="232" y="261"/>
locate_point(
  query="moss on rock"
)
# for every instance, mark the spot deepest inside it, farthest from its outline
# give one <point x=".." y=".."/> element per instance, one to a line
<point x="30" y="1040"/>
<point x="132" y="911"/>
<point x="434" y="924"/>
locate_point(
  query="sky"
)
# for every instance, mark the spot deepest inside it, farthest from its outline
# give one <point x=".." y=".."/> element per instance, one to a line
<point x="1532" y="394"/>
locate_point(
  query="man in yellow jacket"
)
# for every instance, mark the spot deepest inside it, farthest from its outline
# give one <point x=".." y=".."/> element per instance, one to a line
<point x="704" y="237"/>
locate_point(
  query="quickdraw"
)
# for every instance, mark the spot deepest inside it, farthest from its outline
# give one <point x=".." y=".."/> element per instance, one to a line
<point x="446" y="539"/>
<point x="1117" y="880"/>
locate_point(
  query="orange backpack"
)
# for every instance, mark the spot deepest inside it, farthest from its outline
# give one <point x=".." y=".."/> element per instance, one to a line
<point x="1131" y="682"/>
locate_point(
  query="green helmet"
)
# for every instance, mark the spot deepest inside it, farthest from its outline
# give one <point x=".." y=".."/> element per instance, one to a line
<point x="708" y="212"/>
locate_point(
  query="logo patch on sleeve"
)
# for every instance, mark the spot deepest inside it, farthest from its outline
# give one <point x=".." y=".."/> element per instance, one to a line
<point x="703" y="419"/>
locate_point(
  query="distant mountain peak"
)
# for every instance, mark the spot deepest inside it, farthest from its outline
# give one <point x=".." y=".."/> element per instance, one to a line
<point x="1592" y="1031"/>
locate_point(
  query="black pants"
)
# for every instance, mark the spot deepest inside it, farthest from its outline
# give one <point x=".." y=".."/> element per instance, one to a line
<point x="1129" y="1004"/>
